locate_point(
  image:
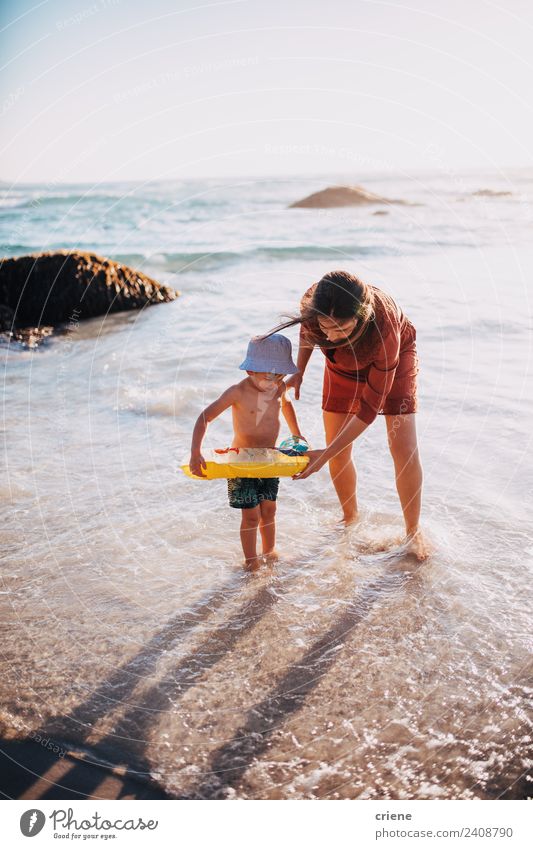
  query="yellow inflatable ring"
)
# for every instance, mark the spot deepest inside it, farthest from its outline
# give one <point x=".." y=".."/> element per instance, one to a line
<point x="248" y="463"/>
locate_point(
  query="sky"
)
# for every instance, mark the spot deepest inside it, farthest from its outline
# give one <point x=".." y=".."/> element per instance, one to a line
<point x="101" y="90"/>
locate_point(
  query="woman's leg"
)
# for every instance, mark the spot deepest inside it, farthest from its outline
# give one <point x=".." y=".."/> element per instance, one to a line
<point x="341" y="467"/>
<point x="401" y="433"/>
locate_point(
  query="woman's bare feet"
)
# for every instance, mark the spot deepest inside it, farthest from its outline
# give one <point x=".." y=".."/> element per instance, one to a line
<point x="271" y="557"/>
<point x="419" y="545"/>
<point x="252" y="564"/>
<point x="349" y="519"/>
<point x="377" y="546"/>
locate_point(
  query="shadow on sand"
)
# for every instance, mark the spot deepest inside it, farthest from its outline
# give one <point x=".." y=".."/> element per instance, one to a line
<point x="31" y="770"/>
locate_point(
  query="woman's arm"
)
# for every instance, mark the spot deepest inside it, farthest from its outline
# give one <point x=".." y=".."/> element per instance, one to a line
<point x="380" y="376"/>
<point x="378" y="383"/>
<point x="304" y="355"/>
<point x="289" y="413"/>
<point x="353" y="428"/>
<point x="305" y="349"/>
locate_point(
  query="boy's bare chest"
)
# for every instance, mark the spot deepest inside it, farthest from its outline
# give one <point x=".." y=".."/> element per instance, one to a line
<point x="260" y="406"/>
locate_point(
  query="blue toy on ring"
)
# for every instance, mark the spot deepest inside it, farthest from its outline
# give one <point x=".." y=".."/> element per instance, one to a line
<point x="294" y="446"/>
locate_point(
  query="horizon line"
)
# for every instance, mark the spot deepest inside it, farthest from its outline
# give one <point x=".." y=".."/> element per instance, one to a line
<point x="436" y="169"/>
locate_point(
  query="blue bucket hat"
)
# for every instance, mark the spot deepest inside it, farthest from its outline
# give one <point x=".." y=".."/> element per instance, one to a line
<point x="273" y="354"/>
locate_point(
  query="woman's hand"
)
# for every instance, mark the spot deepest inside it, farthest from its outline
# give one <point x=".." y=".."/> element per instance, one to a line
<point x="196" y="463"/>
<point x="315" y="463"/>
<point x="294" y="382"/>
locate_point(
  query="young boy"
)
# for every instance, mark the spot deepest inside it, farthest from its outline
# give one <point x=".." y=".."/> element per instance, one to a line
<point x="256" y="403"/>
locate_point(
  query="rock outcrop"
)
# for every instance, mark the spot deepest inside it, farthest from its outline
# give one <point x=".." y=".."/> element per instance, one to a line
<point x="342" y="196"/>
<point x="40" y="291"/>
<point x="491" y="193"/>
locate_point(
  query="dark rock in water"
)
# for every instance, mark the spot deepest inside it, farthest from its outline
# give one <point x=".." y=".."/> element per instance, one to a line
<point x="491" y="193"/>
<point x="343" y="196"/>
<point x="40" y="291"/>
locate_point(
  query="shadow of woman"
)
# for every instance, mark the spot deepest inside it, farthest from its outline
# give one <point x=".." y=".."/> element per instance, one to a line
<point x="232" y="759"/>
<point x="33" y="770"/>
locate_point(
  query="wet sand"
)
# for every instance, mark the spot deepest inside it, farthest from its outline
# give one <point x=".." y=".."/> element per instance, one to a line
<point x="222" y="749"/>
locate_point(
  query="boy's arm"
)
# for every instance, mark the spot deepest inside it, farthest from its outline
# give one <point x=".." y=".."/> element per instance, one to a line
<point x="287" y="408"/>
<point x="208" y="415"/>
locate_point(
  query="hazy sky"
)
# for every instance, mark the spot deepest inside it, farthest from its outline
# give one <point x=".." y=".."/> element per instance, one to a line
<point x="140" y="89"/>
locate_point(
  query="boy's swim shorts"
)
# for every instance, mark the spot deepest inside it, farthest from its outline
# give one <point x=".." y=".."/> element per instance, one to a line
<point x="249" y="492"/>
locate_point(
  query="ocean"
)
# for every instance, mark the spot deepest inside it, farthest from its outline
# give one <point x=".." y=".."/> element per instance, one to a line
<point x="130" y="633"/>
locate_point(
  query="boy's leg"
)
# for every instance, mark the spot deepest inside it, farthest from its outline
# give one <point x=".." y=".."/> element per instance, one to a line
<point x="249" y="524"/>
<point x="267" y="526"/>
<point x="267" y="494"/>
<point x="341" y="467"/>
<point x="242" y="494"/>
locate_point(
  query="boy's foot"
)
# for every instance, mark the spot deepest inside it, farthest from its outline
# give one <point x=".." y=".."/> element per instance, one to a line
<point x="419" y="545"/>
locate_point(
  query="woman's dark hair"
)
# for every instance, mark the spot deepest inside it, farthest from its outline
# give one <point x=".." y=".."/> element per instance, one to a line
<point x="339" y="295"/>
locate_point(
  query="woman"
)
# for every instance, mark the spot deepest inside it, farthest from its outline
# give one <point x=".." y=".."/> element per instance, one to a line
<point x="371" y="368"/>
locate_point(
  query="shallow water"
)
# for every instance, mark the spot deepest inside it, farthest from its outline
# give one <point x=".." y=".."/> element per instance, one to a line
<point x="129" y="630"/>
